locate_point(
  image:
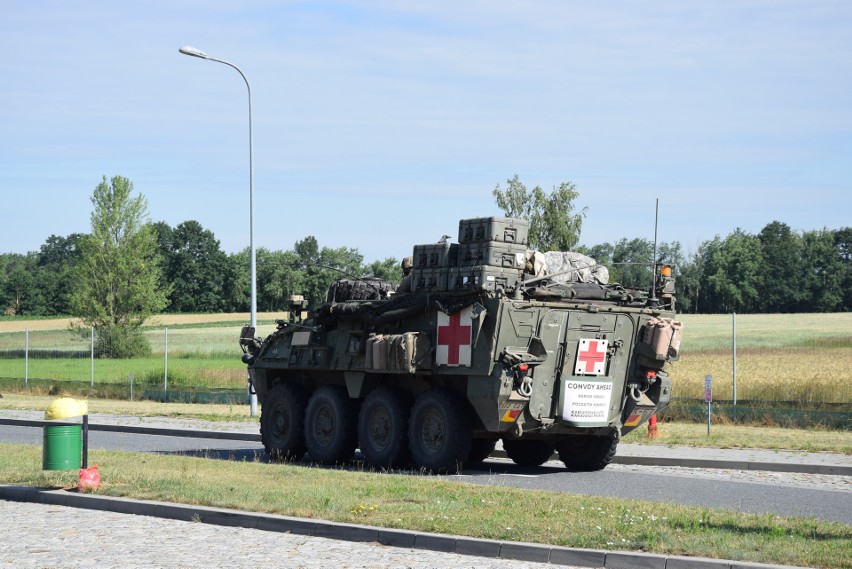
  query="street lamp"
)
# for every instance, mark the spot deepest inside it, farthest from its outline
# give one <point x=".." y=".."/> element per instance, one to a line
<point x="194" y="52"/>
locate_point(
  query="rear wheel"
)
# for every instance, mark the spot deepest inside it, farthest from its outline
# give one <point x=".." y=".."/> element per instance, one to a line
<point x="439" y="431"/>
<point x="528" y="452"/>
<point x="331" y="422"/>
<point x="383" y="427"/>
<point x="585" y="453"/>
<point x="282" y="422"/>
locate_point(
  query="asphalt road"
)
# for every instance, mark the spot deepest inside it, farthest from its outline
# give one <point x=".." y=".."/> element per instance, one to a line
<point x="823" y="497"/>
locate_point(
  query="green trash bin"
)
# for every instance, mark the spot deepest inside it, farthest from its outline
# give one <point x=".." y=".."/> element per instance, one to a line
<point x="63" y="447"/>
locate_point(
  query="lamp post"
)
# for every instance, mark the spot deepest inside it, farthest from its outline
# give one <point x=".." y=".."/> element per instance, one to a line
<point x="188" y="50"/>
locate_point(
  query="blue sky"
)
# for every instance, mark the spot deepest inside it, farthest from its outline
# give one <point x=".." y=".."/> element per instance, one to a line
<point x="380" y="124"/>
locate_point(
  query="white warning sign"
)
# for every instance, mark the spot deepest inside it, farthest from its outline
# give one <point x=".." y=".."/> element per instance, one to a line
<point x="586" y="401"/>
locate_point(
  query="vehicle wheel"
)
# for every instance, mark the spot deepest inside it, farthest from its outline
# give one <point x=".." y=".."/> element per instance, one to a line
<point x="331" y="423"/>
<point x="282" y="422"/>
<point x="528" y="452"/>
<point x="439" y="432"/>
<point x="585" y="453"/>
<point x="480" y="449"/>
<point x="383" y="427"/>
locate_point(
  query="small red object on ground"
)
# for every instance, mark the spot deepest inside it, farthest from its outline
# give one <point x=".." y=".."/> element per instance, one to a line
<point x="652" y="427"/>
<point x="90" y="479"/>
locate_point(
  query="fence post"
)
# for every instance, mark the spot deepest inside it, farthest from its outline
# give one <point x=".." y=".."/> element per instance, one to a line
<point x="708" y="397"/>
<point x="92" y="356"/>
<point x="131" y="386"/>
<point x="27" y="358"/>
<point x="166" y="365"/>
<point x="734" y="349"/>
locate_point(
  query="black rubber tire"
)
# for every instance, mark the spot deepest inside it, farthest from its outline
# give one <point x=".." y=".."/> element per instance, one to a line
<point x="282" y="422"/>
<point x="331" y="425"/>
<point x="383" y="427"/>
<point x="439" y="432"/>
<point x="480" y="449"/>
<point x="587" y="453"/>
<point x="528" y="452"/>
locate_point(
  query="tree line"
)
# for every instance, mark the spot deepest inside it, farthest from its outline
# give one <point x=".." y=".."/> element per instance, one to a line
<point x="776" y="270"/>
<point x="194" y="272"/>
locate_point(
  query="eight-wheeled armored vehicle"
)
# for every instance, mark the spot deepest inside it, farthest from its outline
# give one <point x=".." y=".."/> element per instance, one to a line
<point x="484" y="341"/>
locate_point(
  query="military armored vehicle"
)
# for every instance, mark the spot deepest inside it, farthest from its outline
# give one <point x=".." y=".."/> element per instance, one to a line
<point x="480" y="343"/>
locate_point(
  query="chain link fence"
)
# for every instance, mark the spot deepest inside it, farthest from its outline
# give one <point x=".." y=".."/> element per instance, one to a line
<point x="202" y="363"/>
<point x="186" y="363"/>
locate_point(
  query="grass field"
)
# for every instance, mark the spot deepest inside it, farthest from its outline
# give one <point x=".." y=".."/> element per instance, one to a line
<point x="804" y="358"/>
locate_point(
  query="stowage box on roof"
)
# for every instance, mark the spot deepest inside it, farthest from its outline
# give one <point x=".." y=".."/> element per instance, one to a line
<point x="429" y="280"/>
<point x="482" y="277"/>
<point x="435" y="255"/>
<point x="493" y="253"/>
<point x="503" y="229"/>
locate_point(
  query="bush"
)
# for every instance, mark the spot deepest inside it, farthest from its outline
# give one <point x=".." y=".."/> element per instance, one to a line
<point x="121" y="343"/>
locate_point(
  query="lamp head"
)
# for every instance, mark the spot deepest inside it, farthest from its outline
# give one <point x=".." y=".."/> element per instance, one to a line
<point x="189" y="50"/>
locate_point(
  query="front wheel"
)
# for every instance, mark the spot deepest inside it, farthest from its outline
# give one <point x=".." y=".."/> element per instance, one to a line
<point x="439" y="432"/>
<point x="331" y="423"/>
<point x="586" y="453"/>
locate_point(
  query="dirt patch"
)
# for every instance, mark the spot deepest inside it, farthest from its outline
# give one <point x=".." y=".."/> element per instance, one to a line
<point x="159" y="320"/>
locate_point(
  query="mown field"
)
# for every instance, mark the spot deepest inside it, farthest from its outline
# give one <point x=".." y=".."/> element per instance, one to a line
<point x="803" y="358"/>
<point x="203" y="351"/>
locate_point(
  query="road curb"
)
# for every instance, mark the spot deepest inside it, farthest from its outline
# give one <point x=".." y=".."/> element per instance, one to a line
<point x="531" y="552"/>
<point x="831" y="469"/>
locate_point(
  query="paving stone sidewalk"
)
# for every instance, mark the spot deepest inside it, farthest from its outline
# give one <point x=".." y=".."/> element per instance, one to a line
<point x="38" y="536"/>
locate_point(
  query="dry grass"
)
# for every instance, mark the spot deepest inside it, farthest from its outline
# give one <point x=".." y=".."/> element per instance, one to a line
<point x="21" y="324"/>
<point x="795" y="374"/>
<point x="27" y="402"/>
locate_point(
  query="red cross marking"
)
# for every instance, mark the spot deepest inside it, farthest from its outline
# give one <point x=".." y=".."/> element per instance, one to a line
<point x="591" y="356"/>
<point x="453" y="336"/>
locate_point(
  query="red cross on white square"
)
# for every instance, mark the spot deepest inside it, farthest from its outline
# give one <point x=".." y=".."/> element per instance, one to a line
<point x="591" y="357"/>
<point x="454" y="336"/>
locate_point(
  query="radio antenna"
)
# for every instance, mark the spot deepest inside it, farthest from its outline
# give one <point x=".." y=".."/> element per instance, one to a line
<point x="653" y="299"/>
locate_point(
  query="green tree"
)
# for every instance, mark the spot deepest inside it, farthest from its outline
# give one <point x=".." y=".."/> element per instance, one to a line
<point x="18" y="289"/>
<point x="554" y="226"/>
<point x="194" y="266"/>
<point x="236" y="281"/>
<point x="733" y="273"/>
<point x="822" y="273"/>
<point x="117" y="280"/>
<point x="631" y="263"/>
<point x="54" y="272"/>
<point x="278" y="277"/>
<point x="781" y="269"/>
<point x="843" y="244"/>
<point x="388" y="269"/>
<point x="689" y="283"/>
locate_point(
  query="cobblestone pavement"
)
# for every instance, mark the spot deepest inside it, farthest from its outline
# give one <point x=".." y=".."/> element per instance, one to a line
<point x="36" y="536"/>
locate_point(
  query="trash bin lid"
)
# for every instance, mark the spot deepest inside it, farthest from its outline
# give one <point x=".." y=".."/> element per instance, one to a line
<point x="64" y="408"/>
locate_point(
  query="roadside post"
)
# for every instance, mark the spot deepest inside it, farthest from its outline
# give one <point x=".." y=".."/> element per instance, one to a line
<point x="652" y="427"/>
<point x="708" y="398"/>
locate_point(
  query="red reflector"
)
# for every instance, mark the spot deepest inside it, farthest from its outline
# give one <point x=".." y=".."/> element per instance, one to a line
<point x="523" y="367"/>
<point x="651" y="374"/>
<point x="511" y="415"/>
